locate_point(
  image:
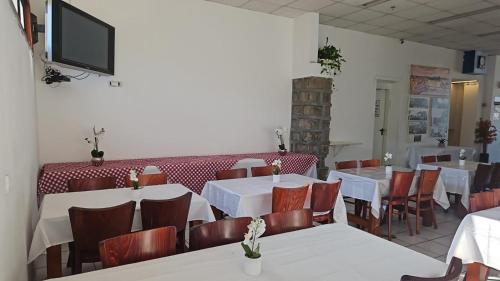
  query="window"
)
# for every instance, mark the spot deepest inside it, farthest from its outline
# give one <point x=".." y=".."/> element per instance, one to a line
<point x="23" y="12"/>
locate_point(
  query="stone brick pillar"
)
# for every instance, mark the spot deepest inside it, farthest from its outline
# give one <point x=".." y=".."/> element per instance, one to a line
<point x="310" y="129"/>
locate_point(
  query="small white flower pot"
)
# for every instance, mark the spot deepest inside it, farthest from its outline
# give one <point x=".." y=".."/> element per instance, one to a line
<point x="461" y="162"/>
<point x="252" y="266"/>
<point x="276" y="178"/>
<point x="388" y="171"/>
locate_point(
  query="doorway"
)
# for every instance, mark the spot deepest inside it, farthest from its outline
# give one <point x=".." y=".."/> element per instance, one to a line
<point x="463" y="113"/>
<point x="380" y="122"/>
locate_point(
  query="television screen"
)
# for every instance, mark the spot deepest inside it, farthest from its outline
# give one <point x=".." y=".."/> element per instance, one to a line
<point x="78" y="40"/>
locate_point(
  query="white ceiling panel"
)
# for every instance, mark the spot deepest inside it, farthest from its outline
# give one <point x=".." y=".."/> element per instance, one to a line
<point x="425" y="21"/>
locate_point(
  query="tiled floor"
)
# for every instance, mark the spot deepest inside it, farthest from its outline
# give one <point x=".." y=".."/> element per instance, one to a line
<point x="431" y="242"/>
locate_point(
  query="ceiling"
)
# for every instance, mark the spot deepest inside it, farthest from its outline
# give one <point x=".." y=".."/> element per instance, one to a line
<point x="454" y="24"/>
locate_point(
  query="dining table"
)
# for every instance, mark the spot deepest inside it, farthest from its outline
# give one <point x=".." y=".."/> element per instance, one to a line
<point x="252" y="196"/>
<point x="327" y="252"/>
<point x="54" y="228"/>
<point x="416" y="151"/>
<point x="477" y="239"/>
<point x="372" y="183"/>
<point x="457" y="179"/>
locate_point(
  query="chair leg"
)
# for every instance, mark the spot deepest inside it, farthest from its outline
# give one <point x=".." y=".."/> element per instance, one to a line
<point x="434" y="222"/>
<point x="389" y="222"/>
<point x="417" y="218"/>
<point x="76" y="267"/>
<point x="408" y="219"/>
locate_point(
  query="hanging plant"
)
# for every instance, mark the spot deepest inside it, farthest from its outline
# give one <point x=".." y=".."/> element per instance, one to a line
<point x="330" y="59"/>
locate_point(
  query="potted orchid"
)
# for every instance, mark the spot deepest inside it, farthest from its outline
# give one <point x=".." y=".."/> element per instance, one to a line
<point x="135" y="182"/>
<point x="253" y="261"/>
<point x="461" y="157"/>
<point x="387" y="161"/>
<point x="276" y="170"/>
<point x="97" y="155"/>
<point x="279" y="133"/>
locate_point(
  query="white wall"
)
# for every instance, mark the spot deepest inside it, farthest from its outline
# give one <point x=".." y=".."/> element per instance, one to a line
<point x="198" y="78"/>
<point x="18" y="147"/>
<point x="470" y="114"/>
<point x="368" y="58"/>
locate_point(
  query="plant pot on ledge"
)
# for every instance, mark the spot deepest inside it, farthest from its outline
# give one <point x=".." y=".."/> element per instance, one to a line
<point x="484" y="157"/>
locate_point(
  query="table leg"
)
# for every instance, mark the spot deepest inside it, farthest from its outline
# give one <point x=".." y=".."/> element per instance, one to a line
<point x="54" y="262"/>
<point x="374" y="225"/>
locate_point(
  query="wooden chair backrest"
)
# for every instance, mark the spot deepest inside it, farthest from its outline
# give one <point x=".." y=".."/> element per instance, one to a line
<point x="324" y="196"/>
<point x="452" y="274"/>
<point x="90" y="226"/>
<point x="429" y="159"/>
<point x="231" y="174"/>
<point x="282" y="222"/>
<point x="167" y="212"/>
<point x="149" y="179"/>
<point x="443" y="158"/>
<point x="351" y="164"/>
<point x="427" y="182"/>
<point x="482" y="201"/>
<point x="401" y="184"/>
<point x="287" y="199"/>
<point x="218" y="233"/>
<point x="482" y="177"/>
<point x="138" y="246"/>
<point x="262" y="171"/>
<point x="370" y="163"/>
<point x="75" y="185"/>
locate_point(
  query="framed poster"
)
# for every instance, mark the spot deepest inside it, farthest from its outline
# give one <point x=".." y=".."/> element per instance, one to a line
<point x="440" y="111"/>
<point x="431" y="81"/>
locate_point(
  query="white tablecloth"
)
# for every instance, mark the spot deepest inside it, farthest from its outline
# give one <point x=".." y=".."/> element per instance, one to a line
<point x="371" y="184"/>
<point x="417" y="151"/>
<point x="478" y="239"/>
<point x="457" y="179"/>
<point x="252" y="197"/>
<point x="324" y="253"/>
<point x="248" y="163"/>
<point x="54" y="227"/>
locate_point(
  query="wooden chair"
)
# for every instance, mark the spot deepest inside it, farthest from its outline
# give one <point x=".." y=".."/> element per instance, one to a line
<point x="282" y="222"/>
<point x="323" y="198"/>
<point x="75" y="185"/>
<point x="477" y="272"/>
<point x="495" y="176"/>
<point x="90" y="226"/>
<point x="231" y="174"/>
<point x="424" y="200"/>
<point x="443" y="158"/>
<point x="452" y="274"/>
<point x="496" y="191"/>
<point x="370" y="163"/>
<point x="218" y="233"/>
<point x="482" y="201"/>
<point x="352" y="164"/>
<point x="138" y="246"/>
<point x="287" y="199"/>
<point x="262" y="171"/>
<point x="149" y="179"/>
<point x="398" y="196"/>
<point x="168" y="212"/>
<point x="482" y="178"/>
<point x="429" y="159"/>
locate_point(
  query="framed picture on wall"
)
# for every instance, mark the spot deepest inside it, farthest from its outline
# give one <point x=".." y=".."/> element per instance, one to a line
<point x="417" y="127"/>
<point x="432" y="81"/>
<point x="417" y="114"/>
<point x="419" y="102"/>
<point x="440" y="111"/>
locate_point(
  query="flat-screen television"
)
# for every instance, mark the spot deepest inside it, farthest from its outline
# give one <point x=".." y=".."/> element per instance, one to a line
<point x="78" y="40"/>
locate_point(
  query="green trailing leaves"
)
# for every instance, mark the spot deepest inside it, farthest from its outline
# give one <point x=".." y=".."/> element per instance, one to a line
<point x="330" y="58"/>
